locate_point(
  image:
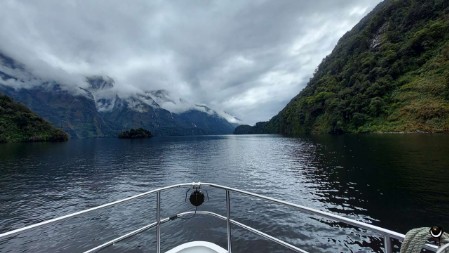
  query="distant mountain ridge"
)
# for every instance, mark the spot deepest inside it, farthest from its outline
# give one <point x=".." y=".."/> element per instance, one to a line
<point x="258" y="128"/>
<point x="99" y="110"/>
<point x="390" y="73"/>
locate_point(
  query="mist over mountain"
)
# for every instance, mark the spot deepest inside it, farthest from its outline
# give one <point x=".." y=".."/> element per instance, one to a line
<point x="243" y="57"/>
<point x="100" y="110"/>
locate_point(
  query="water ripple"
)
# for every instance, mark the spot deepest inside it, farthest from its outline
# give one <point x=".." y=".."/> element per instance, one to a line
<point x="383" y="180"/>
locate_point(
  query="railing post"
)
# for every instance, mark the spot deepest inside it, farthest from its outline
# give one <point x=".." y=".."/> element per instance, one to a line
<point x="387" y="241"/>
<point x="158" y="220"/>
<point x="228" y="220"/>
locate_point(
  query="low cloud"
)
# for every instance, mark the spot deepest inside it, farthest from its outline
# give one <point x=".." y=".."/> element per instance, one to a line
<point x="248" y="58"/>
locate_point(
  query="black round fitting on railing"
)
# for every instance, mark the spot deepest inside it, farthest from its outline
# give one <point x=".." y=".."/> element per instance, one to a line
<point x="196" y="198"/>
<point x="436" y="231"/>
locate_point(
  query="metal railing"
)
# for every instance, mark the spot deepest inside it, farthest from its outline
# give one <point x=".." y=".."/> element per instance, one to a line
<point x="387" y="235"/>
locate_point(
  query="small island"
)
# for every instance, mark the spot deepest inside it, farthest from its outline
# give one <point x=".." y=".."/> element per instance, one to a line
<point x="138" y="133"/>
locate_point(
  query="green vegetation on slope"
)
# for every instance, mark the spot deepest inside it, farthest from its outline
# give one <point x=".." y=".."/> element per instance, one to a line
<point x="390" y="73"/>
<point x="19" y="124"/>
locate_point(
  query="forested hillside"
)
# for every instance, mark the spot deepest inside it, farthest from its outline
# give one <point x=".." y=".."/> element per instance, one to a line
<point x="390" y="73"/>
<point x="19" y="124"/>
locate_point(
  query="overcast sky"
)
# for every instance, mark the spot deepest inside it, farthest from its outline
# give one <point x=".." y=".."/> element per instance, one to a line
<point x="248" y="58"/>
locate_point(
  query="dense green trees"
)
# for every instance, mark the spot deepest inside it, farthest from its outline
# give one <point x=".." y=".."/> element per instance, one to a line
<point x="19" y="124"/>
<point x="389" y="73"/>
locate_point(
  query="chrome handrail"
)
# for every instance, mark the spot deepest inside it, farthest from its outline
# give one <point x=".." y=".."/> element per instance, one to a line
<point x="228" y="220"/>
<point x="189" y="213"/>
<point x="387" y="234"/>
<point x="15" y="231"/>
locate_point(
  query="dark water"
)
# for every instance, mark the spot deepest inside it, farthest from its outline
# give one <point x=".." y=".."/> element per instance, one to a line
<point x="395" y="181"/>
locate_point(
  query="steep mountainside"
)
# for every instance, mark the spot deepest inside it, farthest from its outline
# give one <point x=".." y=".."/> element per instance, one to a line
<point x="99" y="110"/>
<point x="76" y="115"/>
<point x="156" y="110"/>
<point x="19" y="124"/>
<point x="390" y="73"/>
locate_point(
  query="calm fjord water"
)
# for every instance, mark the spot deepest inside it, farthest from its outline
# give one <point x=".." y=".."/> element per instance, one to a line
<point x="395" y="181"/>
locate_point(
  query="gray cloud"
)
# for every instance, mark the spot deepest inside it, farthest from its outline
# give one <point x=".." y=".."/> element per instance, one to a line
<point x="248" y="58"/>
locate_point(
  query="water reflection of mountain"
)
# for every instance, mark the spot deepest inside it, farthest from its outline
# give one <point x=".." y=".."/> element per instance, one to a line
<point x="394" y="178"/>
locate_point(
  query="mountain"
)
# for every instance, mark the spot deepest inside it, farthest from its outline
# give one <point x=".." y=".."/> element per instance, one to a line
<point x="258" y="128"/>
<point x="390" y="73"/>
<point x="99" y="110"/>
<point x="156" y="110"/>
<point x="19" y="124"/>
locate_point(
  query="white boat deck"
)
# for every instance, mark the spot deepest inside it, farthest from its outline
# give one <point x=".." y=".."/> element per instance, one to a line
<point x="198" y="247"/>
